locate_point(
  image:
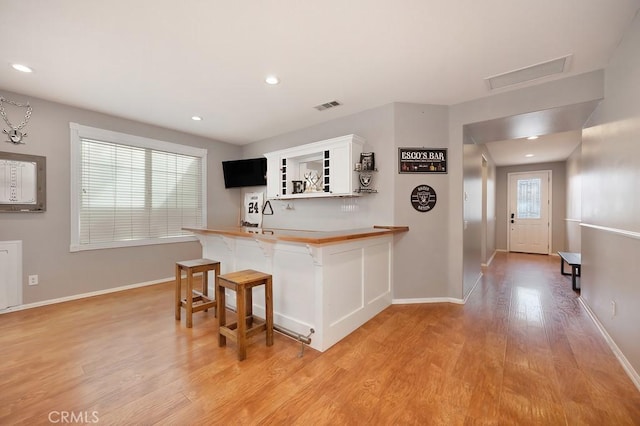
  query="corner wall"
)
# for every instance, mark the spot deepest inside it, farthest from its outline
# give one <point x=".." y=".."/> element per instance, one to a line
<point x="420" y="267"/>
<point x="376" y="126"/>
<point x="422" y="254"/>
<point x="574" y="201"/>
<point x="611" y="203"/>
<point x="46" y="236"/>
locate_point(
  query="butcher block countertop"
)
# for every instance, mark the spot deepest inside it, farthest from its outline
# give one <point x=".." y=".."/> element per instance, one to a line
<point x="300" y="236"/>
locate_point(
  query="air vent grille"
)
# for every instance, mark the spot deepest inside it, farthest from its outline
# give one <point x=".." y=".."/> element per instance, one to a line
<point x="533" y="72"/>
<point x="327" y="105"/>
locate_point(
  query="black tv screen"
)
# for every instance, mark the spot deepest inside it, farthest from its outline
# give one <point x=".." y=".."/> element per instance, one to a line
<point x="249" y="172"/>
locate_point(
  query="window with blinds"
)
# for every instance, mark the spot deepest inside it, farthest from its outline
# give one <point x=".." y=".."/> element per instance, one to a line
<point x="128" y="190"/>
<point x="529" y="201"/>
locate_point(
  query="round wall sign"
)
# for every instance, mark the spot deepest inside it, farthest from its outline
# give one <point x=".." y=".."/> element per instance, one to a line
<point x="423" y="198"/>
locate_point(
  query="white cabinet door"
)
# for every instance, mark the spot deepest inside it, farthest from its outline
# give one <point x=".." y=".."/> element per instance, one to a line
<point x="273" y="176"/>
<point x="340" y="170"/>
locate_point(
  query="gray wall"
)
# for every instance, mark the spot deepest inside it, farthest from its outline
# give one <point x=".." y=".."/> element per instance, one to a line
<point x="479" y="212"/>
<point x="422" y="254"/>
<point x="558" y="201"/>
<point x="574" y="201"/>
<point x="422" y="269"/>
<point x="46" y="236"/>
<point x="472" y="216"/>
<point x="611" y="200"/>
<point x="376" y="126"/>
<point x="490" y="210"/>
<point x="420" y="257"/>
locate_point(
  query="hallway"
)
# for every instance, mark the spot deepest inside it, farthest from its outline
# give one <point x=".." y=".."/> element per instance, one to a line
<point x="521" y="351"/>
<point x="556" y="365"/>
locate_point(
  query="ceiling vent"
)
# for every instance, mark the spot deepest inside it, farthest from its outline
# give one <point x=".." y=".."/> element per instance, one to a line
<point x="533" y="72"/>
<point x="327" y="105"/>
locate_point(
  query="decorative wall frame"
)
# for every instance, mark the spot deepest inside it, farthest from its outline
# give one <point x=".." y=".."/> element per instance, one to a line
<point x="23" y="183"/>
<point x="422" y="160"/>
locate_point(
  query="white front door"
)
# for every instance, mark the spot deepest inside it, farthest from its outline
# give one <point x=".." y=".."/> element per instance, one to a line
<point x="529" y="212"/>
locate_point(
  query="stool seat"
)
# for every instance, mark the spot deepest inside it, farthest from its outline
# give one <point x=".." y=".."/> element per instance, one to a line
<point x="247" y="324"/>
<point x="194" y="300"/>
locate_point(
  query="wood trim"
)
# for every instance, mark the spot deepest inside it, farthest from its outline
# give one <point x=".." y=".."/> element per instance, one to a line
<point x="304" y="237"/>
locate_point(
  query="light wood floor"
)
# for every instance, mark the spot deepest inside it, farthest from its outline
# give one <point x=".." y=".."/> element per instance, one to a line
<point x="521" y="351"/>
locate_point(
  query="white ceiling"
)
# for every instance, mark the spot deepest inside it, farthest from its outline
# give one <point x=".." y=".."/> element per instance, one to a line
<point x="547" y="148"/>
<point x="559" y="131"/>
<point x="161" y="61"/>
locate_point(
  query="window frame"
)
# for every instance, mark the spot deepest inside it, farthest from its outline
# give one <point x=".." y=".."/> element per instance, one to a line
<point x="79" y="132"/>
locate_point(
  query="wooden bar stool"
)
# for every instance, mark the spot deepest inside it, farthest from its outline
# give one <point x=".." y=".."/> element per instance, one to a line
<point x="201" y="298"/>
<point x="247" y="325"/>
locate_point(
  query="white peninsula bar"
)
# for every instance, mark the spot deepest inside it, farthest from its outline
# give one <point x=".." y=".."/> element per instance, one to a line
<point x="331" y="282"/>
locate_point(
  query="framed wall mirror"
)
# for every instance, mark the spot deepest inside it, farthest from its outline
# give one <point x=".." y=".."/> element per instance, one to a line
<point x="23" y="183"/>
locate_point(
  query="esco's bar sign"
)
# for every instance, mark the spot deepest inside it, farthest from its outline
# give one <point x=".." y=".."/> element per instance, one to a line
<point x="422" y="160"/>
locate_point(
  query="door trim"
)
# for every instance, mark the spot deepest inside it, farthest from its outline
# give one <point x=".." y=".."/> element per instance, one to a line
<point x="550" y="213"/>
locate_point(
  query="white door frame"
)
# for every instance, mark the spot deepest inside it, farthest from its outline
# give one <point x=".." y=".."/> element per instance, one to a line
<point x="550" y="173"/>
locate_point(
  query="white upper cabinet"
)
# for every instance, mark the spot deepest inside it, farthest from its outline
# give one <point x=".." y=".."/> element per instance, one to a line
<point x="319" y="169"/>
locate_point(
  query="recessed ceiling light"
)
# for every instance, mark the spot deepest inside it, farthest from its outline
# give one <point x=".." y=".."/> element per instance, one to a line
<point x="272" y="80"/>
<point x="21" y="68"/>
<point x="531" y="138"/>
<point x="529" y="155"/>
<point x="196" y="118"/>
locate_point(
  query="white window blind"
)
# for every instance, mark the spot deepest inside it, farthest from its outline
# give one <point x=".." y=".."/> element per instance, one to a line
<point x="128" y="190"/>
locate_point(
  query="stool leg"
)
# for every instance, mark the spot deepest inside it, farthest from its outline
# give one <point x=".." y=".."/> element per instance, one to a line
<point x="268" y="302"/>
<point x="242" y="322"/>
<point x="178" y="302"/>
<point x="205" y="285"/>
<point x="216" y="271"/>
<point x="189" y="307"/>
<point x="248" y="304"/>
<point x="222" y="313"/>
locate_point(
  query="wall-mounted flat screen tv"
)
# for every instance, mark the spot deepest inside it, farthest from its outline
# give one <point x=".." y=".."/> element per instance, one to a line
<point x="248" y="172"/>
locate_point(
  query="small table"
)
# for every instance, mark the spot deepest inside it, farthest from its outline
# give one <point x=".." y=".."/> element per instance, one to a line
<point x="575" y="261"/>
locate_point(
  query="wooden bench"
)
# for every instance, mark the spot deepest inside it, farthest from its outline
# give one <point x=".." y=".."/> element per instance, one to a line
<point x="575" y="261"/>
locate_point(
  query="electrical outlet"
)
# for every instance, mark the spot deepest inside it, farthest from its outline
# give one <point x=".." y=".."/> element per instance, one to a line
<point x="33" y="280"/>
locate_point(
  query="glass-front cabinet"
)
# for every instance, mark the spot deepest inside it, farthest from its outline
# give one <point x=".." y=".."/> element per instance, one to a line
<point x="319" y="169"/>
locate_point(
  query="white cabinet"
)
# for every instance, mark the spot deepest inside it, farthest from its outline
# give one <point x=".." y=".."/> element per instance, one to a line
<point x="325" y="167"/>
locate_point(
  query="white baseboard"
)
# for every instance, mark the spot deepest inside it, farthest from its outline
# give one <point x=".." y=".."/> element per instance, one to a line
<point x="84" y="295"/>
<point x="473" y="288"/>
<point x="427" y="300"/>
<point x="437" y="299"/>
<point x="490" y="259"/>
<point x="626" y="365"/>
